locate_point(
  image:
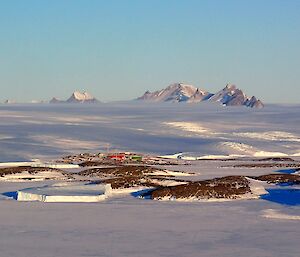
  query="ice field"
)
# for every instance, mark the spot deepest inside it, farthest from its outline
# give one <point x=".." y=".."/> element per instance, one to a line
<point x="40" y="131"/>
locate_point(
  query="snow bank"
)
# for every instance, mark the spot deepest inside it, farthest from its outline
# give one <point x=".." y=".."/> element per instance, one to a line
<point x="170" y="173"/>
<point x="188" y="126"/>
<point x="15" y="164"/>
<point x="220" y="157"/>
<point x="270" y="136"/>
<point x="238" y="150"/>
<point x="39" y="164"/>
<point x="269" y="154"/>
<point x="66" y="193"/>
<point x="257" y="188"/>
<point x="56" y="165"/>
<point x="38" y="176"/>
<point x="171" y="156"/>
<point x="274" y="214"/>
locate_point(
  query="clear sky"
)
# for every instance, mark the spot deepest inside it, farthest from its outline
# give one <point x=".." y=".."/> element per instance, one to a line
<point x="119" y="49"/>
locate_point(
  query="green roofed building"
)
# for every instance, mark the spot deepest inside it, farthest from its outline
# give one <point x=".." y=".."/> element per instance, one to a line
<point x="136" y="158"/>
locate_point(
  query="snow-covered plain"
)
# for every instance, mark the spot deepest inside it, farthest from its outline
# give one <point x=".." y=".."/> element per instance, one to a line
<point x="42" y="131"/>
<point x="124" y="225"/>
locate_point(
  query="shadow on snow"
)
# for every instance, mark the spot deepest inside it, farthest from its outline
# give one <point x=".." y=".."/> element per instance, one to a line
<point x="288" y="171"/>
<point x="13" y="194"/>
<point x="283" y="196"/>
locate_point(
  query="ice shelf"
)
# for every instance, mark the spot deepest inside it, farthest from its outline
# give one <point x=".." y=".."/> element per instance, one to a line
<point x="66" y="192"/>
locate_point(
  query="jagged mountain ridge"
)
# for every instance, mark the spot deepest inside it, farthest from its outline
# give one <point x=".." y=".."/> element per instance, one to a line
<point x="174" y="92"/>
<point x="77" y="97"/>
<point x="179" y="92"/>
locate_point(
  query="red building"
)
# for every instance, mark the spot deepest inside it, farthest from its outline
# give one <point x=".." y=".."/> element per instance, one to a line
<point x="117" y="157"/>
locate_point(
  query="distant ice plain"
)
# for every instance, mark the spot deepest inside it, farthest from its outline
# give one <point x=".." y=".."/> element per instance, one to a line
<point x="50" y="130"/>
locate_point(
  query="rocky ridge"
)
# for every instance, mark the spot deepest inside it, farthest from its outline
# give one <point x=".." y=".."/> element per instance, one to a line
<point x="180" y="92"/>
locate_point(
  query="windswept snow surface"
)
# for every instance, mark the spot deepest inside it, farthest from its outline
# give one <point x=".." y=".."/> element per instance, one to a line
<point x="275" y="214"/>
<point x="189" y="126"/>
<point x="50" y="130"/>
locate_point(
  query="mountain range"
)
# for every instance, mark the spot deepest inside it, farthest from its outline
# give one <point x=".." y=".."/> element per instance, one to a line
<point x="230" y="95"/>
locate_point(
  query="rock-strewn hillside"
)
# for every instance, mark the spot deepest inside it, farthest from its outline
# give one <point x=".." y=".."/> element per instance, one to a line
<point x="33" y="174"/>
<point x="230" y="187"/>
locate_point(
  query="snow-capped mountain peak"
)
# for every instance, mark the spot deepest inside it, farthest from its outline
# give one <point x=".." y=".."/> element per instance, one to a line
<point x="230" y="87"/>
<point x="176" y="92"/>
<point x="77" y="97"/>
<point x="230" y="95"/>
<point x="82" y="96"/>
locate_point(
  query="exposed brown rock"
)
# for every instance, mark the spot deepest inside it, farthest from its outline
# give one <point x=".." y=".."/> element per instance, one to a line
<point x="30" y="170"/>
<point x="277" y="159"/>
<point x="130" y="170"/>
<point x="35" y="172"/>
<point x="266" y="165"/>
<point x="91" y="163"/>
<point x="129" y="182"/>
<point x="138" y="181"/>
<point x="279" y="178"/>
<point x="227" y="187"/>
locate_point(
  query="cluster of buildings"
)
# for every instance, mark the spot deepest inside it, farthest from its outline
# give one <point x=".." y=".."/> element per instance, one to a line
<point x="125" y="156"/>
<point x="97" y="157"/>
<point x="119" y="157"/>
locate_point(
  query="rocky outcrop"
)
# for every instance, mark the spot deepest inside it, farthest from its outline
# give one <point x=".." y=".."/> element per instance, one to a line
<point x="279" y="178"/>
<point x="254" y="103"/>
<point x="230" y="187"/>
<point x="200" y="95"/>
<point x="127" y="170"/>
<point x="33" y="173"/>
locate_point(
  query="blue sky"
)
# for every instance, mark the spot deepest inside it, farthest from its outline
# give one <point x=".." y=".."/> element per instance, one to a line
<point x="119" y="49"/>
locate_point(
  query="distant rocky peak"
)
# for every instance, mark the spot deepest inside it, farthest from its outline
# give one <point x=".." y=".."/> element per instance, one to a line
<point x="81" y="97"/>
<point x="77" y="97"/>
<point x="230" y="86"/>
<point x="55" y="100"/>
<point x="254" y="102"/>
